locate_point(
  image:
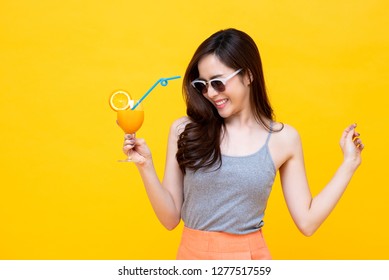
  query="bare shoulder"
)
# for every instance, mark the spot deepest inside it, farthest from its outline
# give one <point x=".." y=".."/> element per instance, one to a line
<point x="178" y="126"/>
<point x="286" y="134"/>
<point x="285" y="142"/>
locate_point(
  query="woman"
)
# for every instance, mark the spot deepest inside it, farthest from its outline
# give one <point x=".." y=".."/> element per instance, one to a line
<point x="223" y="156"/>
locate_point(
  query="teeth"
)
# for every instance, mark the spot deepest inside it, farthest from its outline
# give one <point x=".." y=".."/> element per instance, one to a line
<point x="221" y="102"/>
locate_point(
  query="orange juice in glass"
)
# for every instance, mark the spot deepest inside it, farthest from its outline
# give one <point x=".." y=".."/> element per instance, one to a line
<point x="131" y="120"/>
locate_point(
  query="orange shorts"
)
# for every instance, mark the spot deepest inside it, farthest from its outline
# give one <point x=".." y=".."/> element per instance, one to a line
<point x="206" y="245"/>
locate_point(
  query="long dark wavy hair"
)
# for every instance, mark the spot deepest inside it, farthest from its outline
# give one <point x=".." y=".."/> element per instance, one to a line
<point x="199" y="143"/>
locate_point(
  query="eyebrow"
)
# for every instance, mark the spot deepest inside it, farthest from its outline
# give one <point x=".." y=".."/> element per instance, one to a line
<point x="212" y="77"/>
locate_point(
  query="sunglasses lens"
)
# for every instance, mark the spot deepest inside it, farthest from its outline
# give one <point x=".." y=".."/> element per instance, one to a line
<point x="218" y="85"/>
<point x="201" y="87"/>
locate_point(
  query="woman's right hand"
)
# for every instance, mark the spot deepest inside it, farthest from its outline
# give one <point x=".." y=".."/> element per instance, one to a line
<point x="137" y="149"/>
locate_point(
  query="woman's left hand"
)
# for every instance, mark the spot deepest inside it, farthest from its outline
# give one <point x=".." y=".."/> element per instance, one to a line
<point x="351" y="145"/>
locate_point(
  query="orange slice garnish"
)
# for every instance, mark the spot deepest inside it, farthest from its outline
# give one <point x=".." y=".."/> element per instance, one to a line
<point x="120" y="100"/>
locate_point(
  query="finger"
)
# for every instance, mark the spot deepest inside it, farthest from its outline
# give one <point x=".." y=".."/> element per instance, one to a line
<point x="356" y="134"/>
<point x="127" y="148"/>
<point x="129" y="141"/>
<point x="139" y="141"/>
<point x="347" y="131"/>
<point x="129" y="145"/>
<point x="357" y="141"/>
<point x="129" y="136"/>
<point x="350" y="135"/>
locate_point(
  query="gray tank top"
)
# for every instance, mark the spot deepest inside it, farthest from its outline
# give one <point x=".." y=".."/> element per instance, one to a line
<point x="232" y="198"/>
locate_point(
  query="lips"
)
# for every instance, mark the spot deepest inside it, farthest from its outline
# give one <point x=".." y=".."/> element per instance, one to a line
<point x="220" y="103"/>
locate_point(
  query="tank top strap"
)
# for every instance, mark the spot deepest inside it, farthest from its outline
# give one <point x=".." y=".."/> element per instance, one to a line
<point x="270" y="132"/>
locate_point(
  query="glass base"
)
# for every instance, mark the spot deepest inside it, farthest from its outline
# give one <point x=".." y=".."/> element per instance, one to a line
<point x="127" y="160"/>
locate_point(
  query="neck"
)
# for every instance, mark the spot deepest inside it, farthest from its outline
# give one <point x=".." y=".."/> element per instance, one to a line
<point x="241" y="121"/>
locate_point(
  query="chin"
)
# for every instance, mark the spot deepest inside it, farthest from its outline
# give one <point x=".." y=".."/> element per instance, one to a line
<point x="224" y="115"/>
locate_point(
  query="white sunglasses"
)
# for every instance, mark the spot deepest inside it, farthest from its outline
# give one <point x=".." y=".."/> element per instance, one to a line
<point x="218" y="84"/>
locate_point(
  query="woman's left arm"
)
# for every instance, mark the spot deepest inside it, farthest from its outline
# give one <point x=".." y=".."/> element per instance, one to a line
<point x="310" y="212"/>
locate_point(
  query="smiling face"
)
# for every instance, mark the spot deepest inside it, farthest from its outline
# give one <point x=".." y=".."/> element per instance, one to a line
<point x="235" y="99"/>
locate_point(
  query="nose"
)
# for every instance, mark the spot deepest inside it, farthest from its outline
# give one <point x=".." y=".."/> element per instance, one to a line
<point x="211" y="92"/>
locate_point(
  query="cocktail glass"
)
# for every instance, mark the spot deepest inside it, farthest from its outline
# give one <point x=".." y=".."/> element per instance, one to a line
<point x="130" y="121"/>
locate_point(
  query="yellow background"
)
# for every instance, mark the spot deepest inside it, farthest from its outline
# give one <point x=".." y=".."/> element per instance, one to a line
<point x="63" y="195"/>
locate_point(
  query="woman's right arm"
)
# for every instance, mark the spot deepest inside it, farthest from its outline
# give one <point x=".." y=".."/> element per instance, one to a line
<point x="167" y="197"/>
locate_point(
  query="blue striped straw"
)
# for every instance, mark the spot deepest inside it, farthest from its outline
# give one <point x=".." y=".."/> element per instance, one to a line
<point x="162" y="81"/>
